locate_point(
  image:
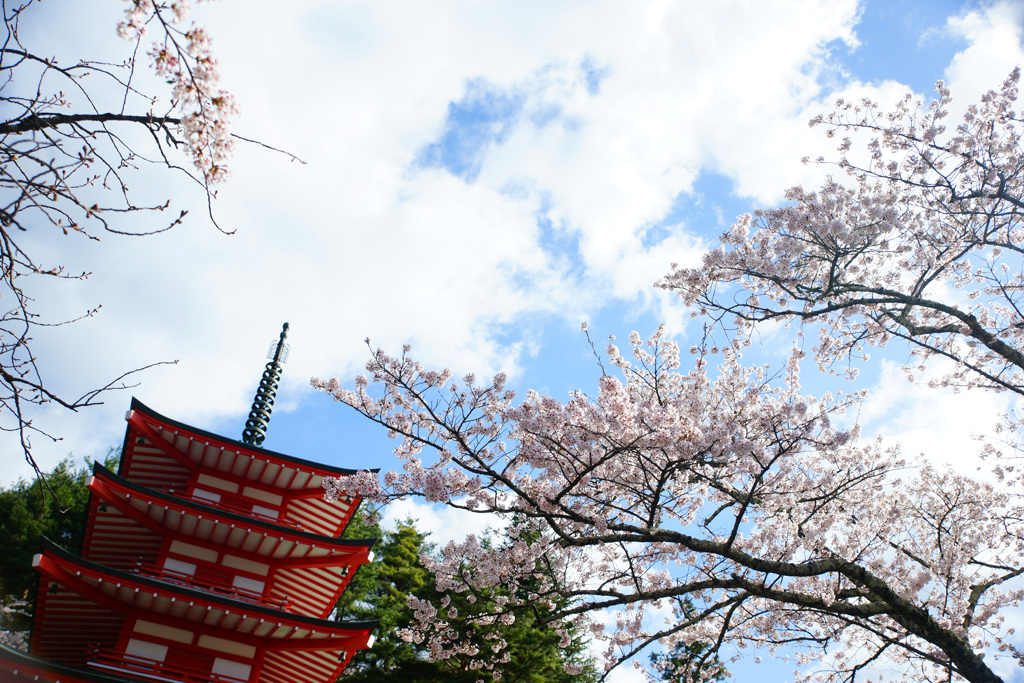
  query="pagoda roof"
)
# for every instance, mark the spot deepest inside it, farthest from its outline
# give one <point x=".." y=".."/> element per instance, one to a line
<point x="299" y="648"/>
<point x="238" y="446"/>
<point x="311" y="571"/>
<point x="238" y="615"/>
<point x="302" y="544"/>
<point x="162" y="453"/>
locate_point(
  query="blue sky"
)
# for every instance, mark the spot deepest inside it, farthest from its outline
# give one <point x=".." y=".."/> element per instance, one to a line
<point x="481" y="178"/>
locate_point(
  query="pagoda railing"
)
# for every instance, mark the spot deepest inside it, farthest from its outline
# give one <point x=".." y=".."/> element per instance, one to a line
<point x="153" y="669"/>
<point x="191" y="581"/>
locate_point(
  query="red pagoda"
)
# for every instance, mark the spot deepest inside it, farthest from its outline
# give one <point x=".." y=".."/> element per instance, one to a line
<point x="205" y="560"/>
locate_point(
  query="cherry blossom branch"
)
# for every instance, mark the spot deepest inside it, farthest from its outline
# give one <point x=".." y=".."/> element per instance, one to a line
<point x="68" y="149"/>
<point x="625" y="492"/>
<point x="37" y="123"/>
<point x="878" y="257"/>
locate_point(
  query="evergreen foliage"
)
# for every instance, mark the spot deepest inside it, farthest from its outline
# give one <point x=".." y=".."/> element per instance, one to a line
<point x="693" y="663"/>
<point x="688" y="664"/>
<point x="33" y="509"/>
<point x="55" y="508"/>
<point x="380" y="590"/>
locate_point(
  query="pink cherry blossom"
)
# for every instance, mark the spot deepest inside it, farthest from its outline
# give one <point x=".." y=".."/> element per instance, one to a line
<point x="725" y="497"/>
<point x="183" y="56"/>
<point x="919" y="242"/>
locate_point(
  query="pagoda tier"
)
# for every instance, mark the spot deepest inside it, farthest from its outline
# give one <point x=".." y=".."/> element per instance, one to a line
<point x="142" y="624"/>
<point x="196" y="544"/>
<point x="205" y="560"/>
<point x="165" y="455"/>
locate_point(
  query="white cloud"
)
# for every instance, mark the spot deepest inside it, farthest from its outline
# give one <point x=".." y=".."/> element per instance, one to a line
<point x="362" y="242"/>
<point x="994" y="36"/>
<point x="444" y="524"/>
<point x="937" y="424"/>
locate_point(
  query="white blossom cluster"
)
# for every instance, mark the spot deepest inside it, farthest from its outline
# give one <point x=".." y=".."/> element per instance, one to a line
<point x="184" y="58"/>
<point x="920" y="243"/>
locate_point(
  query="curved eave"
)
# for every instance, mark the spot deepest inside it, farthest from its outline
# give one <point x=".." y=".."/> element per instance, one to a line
<point x="23" y="666"/>
<point x="227" y="444"/>
<point x="138" y="594"/>
<point x="163" y="454"/>
<point x="250" y="530"/>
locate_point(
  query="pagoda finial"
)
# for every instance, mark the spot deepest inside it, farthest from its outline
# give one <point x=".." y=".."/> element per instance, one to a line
<point x="256" y="426"/>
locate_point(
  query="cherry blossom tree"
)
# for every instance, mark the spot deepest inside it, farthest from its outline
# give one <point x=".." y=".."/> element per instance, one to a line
<point x="919" y="241"/>
<point x="71" y="137"/>
<point x="731" y="502"/>
<point x="723" y="507"/>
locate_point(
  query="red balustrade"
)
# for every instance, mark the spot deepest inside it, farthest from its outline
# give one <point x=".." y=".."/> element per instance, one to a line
<point x="153" y="669"/>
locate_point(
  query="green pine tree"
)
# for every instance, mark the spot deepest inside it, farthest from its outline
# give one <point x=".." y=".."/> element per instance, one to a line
<point x="378" y="591"/>
<point x="533" y="647"/>
<point x="56" y="509"/>
<point x="689" y="663"/>
<point x="683" y="664"/>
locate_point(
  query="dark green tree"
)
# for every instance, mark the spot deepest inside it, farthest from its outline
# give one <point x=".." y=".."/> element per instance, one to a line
<point x="354" y="604"/>
<point x="688" y="664"/>
<point x="378" y="591"/>
<point x="534" y="655"/>
<point x="693" y="663"/>
<point x="55" y="508"/>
